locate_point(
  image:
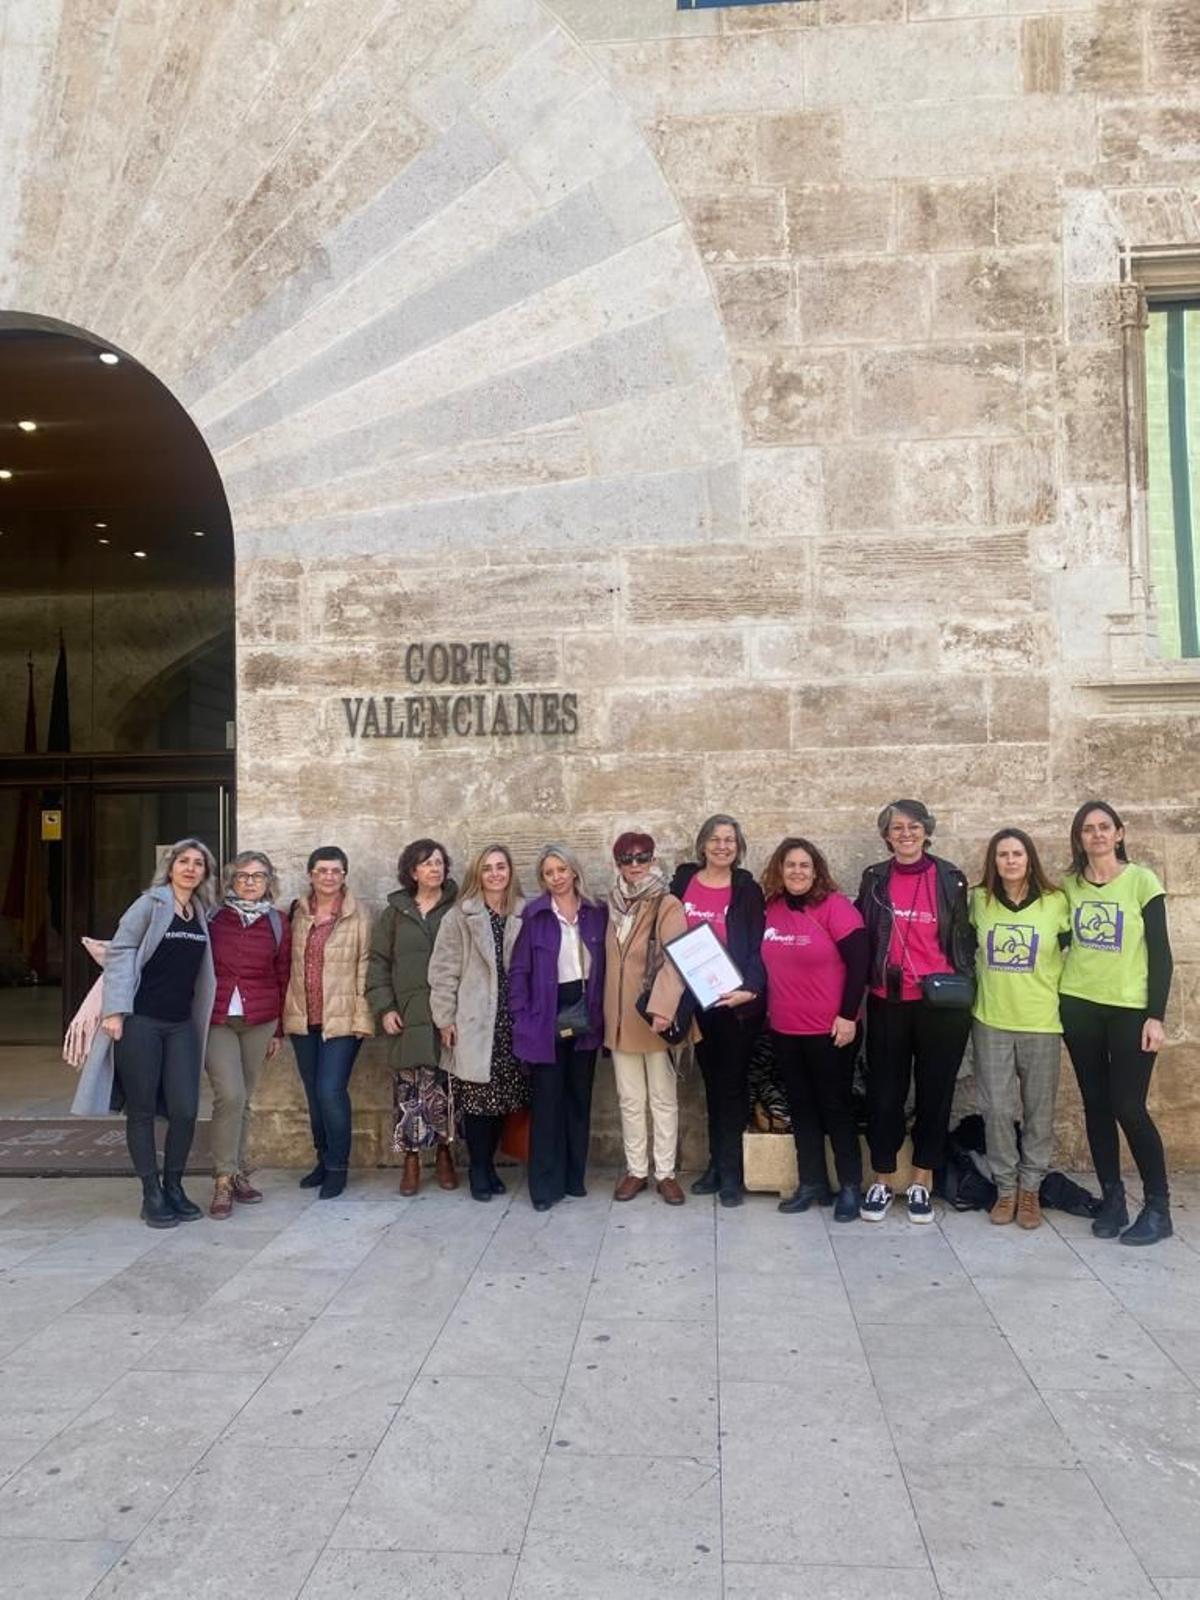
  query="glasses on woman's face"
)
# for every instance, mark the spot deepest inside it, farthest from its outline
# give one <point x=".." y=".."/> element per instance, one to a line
<point x="329" y="872"/>
<point x="249" y="877"/>
<point x="638" y="858"/>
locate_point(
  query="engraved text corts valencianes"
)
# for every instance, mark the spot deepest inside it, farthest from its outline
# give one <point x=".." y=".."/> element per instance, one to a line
<point x="459" y="690"/>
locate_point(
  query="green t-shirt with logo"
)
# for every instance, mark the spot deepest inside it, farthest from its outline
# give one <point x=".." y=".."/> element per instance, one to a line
<point x="1019" y="961"/>
<point x="1107" y="960"/>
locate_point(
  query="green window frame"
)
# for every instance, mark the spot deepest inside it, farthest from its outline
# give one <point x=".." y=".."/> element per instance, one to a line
<point x="1172" y="441"/>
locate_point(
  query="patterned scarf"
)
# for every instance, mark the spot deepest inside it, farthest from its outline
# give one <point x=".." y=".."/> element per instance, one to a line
<point x="248" y="910"/>
<point x="625" y="899"/>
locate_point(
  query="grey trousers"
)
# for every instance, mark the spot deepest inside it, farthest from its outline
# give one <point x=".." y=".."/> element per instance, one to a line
<point x="236" y="1052"/>
<point x="1017" y="1077"/>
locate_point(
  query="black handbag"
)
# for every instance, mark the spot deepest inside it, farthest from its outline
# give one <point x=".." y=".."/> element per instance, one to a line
<point x="574" y="1019"/>
<point x="949" y="991"/>
<point x="680" y="1024"/>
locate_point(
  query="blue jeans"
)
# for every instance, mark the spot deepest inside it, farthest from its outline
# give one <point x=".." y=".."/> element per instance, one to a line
<point x="325" y="1067"/>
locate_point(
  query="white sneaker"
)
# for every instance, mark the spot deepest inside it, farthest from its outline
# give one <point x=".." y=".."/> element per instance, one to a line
<point x="875" y="1207"/>
<point x="920" y="1207"/>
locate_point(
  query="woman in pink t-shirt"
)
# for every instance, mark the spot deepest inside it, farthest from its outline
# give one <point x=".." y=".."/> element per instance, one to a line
<point x="918" y="927"/>
<point x="815" y="952"/>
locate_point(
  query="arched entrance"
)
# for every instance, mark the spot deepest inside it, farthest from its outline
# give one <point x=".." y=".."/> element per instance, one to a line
<point x="116" y="674"/>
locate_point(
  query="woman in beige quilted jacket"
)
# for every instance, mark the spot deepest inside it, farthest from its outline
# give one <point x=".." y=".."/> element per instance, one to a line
<point x="325" y="1012"/>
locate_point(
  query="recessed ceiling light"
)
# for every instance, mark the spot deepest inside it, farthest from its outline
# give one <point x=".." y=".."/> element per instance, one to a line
<point x="99" y="524"/>
<point x="140" y="554"/>
<point x="5" y="472"/>
<point x="197" y="533"/>
<point x="27" y="427"/>
<point x="102" y="541"/>
<point x="109" y="358"/>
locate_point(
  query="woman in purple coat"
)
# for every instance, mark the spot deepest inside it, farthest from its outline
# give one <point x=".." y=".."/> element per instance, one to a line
<point x="556" y="995"/>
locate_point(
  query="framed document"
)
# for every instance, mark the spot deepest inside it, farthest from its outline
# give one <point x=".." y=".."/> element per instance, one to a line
<point x="703" y="963"/>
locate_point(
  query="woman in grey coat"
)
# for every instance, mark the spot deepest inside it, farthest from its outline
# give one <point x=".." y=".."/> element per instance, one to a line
<point x="157" y="1000"/>
<point x="468" y="983"/>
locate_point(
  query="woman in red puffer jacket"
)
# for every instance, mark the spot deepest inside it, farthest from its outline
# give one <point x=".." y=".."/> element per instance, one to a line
<point x="251" y="946"/>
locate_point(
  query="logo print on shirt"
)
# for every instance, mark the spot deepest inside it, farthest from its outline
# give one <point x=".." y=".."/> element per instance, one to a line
<point x="1100" y="925"/>
<point x="693" y="910"/>
<point x="1012" y="946"/>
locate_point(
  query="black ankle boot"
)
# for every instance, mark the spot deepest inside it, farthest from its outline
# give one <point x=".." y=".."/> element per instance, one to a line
<point x="496" y="1183"/>
<point x="315" y="1178"/>
<point x="806" y="1196"/>
<point x="156" y="1212"/>
<point x="1153" y="1223"/>
<point x="479" y="1183"/>
<point x="172" y="1188"/>
<point x="847" y="1206"/>
<point x="709" y="1180"/>
<point x="1113" y="1214"/>
<point x="332" y="1184"/>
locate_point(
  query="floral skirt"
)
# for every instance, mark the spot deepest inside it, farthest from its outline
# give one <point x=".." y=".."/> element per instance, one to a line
<point x="423" y="1102"/>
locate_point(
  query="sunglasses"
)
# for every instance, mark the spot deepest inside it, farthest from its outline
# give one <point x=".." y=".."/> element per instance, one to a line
<point x="642" y="858"/>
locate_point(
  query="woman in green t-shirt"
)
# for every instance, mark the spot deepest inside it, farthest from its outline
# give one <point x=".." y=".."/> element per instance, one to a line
<point x="1019" y="919"/>
<point x="1113" y="997"/>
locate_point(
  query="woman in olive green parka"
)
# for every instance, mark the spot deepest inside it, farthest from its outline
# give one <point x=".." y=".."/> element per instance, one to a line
<point x="398" y="994"/>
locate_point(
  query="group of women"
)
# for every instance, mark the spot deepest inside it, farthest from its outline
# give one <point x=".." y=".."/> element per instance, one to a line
<point x="494" y="1004"/>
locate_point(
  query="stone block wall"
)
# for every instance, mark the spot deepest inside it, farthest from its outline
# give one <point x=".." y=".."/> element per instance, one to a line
<point x="759" y="375"/>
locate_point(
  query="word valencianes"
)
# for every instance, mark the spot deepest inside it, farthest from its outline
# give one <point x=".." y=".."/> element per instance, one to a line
<point x="441" y="716"/>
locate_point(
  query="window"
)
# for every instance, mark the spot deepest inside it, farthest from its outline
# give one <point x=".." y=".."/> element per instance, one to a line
<point x="708" y="5"/>
<point x="1173" y="444"/>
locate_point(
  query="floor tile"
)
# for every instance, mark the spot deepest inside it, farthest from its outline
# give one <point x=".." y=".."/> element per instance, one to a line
<point x="513" y="1324"/>
<point x="341" y="1384"/>
<point x="408" y="1575"/>
<point x="911" y="1278"/>
<point x="105" y="1475"/>
<point x="457" y="1469"/>
<point x="796" y="1462"/>
<point x="960" y="1395"/>
<point x="786" y="1344"/>
<point x="744" y="1581"/>
<point x="247" y="1519"/>
<point x="640" y="1388"/>
<point x="1076" y="1335"/>
<point x="1142" y="1451"/>
<point x="55" y="1569"/>
<point x="1010" y="1252"/>
<point x="1033" y="1532"/>
<point x="636" y="1528"/>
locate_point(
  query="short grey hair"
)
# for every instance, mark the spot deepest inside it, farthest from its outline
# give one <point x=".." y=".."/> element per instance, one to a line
<point x="243" y="859"/>
<point x="564" y="853"/>
<point x="914" y="810"/>
<point x="710" y="825"/>
<point x="205" y="889"/>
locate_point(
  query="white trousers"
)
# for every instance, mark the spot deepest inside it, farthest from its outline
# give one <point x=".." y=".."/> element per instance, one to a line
<point x="640" y="1078"/>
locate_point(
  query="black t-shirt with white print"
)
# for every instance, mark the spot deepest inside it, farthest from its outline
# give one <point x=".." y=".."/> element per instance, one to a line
<point x="168" y="979"/>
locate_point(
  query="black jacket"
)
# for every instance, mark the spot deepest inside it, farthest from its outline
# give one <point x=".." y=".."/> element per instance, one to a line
<point x="744" y="924"/>
<point x="955" y="933"/>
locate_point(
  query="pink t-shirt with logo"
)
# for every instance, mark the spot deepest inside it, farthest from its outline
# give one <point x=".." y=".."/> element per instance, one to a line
<point x="914" y="944"/>
<point x="701" y="904"/>
<point x="805" y="970"/>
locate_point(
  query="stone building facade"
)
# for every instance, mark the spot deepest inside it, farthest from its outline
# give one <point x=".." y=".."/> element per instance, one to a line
<point x="763" y="378"/>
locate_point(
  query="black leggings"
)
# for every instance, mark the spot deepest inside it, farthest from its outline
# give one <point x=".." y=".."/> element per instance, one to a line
<point x="907" y="1038"/>
<point x="723" y="1055"/>
<point x="158" y="1061"/>
<point x="818" y="1078"/>
<point x="482" y="1137"/>
<point x="1113" y="1072"/>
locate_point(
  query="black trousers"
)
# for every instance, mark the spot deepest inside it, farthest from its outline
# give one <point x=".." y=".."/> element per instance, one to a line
<point x="907" y="1039"/>
<point x="560" y="1122"/>
<point x="818" y="1078"/>
<point x="158" y="1061"/>
<point x="1113" y="1072"/>
<point x="723" y="1055"/>
<point x="481" y="1135"/>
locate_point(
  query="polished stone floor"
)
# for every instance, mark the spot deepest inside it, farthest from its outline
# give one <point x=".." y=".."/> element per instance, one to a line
<point x="429" y="1398"/>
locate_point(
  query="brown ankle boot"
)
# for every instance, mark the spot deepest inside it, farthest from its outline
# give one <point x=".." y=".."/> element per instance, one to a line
<point x="222" y="1200"/>
<point x="410" y="1180"/>
<point x="444" y="1167"/>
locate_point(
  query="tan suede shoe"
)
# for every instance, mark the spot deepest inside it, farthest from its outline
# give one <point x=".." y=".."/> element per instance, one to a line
<point x="1029" y="1209"/>
<point x="1004" y="1210"/>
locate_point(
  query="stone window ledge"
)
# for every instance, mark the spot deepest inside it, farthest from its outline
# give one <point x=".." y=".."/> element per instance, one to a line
<point x="1167" y="686"/>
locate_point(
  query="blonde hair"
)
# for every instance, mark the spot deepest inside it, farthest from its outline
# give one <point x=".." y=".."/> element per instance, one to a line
<point x="204" y="889"/>
<point x="472" y="887"/>
<point x="243" y="859"/>
<point x="572" y="861"/>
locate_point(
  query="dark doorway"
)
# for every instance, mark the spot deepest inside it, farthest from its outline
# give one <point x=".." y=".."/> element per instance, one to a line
<point x="116" y="670"/>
